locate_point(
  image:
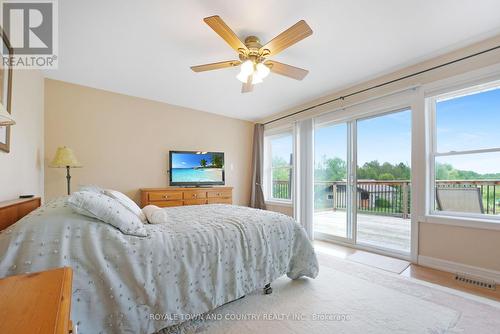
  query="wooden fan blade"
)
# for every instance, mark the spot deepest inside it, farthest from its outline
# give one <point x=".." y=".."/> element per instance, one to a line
<point x="287" y="38"/>
<point x="223" y="30"/>
<point x="247" y="87"/>
<point x="215" y="66"/>
<point x="290" y="71"/>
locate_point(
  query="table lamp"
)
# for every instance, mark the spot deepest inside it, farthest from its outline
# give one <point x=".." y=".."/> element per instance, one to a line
<point x="65" y="158"/>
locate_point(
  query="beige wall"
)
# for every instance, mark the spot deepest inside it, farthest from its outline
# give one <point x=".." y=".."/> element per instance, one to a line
<point x="21" y="170"/>
<point x="475" y="247"/>
<point x="123" y="141"/>
<point x="469" y="246"/>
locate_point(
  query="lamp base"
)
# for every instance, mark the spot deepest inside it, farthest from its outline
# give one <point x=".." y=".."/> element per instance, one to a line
<point x="68" y="178"/>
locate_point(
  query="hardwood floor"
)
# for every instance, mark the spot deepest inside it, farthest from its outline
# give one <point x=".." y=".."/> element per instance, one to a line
<point x="415" y="271"/>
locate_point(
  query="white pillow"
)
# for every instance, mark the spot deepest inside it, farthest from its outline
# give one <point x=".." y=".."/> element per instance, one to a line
<point x="108" y="210"/>
<point x="154" y="214"/>
<point x="127" y="202"/>
<point x="92" y="188"/>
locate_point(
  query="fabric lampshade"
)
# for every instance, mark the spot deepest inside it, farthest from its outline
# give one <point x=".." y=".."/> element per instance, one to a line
<point x="5" y="117"/>
<point x="65" y="158"/>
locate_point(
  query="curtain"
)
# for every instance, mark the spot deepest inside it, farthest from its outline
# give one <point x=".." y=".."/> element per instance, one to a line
<point x="257" y="194"/>
<point x="304" y="175"/>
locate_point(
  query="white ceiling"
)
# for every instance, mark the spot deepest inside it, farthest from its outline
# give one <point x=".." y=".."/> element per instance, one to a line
<point x="145" y="48"/>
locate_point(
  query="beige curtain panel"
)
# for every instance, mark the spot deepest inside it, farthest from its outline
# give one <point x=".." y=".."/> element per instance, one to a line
<point x="257" y="196"/>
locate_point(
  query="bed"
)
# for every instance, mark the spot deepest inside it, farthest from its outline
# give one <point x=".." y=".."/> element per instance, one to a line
<point x="204" y="257"/>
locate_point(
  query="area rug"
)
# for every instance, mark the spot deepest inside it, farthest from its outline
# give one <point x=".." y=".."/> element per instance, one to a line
<point x="348" y="297"/>
<point x="378" y="261"/>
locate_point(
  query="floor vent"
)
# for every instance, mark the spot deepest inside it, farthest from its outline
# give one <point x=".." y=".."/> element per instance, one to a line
<point x="476" y="281"/>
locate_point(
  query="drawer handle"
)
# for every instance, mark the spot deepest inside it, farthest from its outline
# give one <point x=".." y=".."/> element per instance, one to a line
<point x="165" y="196"/>
<point x="195" y="195"/>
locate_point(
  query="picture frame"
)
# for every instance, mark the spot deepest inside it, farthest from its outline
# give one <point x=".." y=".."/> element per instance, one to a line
<point x="5" y="91"/>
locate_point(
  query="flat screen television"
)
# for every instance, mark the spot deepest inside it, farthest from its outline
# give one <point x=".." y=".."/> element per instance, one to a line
<point x="196" y="168"/>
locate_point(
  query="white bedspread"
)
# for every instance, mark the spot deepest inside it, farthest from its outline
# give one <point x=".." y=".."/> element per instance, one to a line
<point x="203" y="257"/>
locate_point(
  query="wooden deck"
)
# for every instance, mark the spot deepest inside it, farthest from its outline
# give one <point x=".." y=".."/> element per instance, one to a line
<point x="380" y="231"/>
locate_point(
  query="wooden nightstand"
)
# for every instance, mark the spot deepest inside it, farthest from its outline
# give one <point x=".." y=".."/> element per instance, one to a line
<point x="37" y="303"/>
<point x="12" y="211"/>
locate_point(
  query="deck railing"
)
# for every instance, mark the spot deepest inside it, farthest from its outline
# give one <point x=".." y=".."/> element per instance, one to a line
<point x="386" y="197"/>
<point x="282" y="189"/>
<point x="391" y="198"/>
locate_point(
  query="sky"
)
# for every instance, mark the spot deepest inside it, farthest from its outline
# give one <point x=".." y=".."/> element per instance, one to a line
<point x="189" y="160"/>
<point x="466" y="123"/>
<point x="470" y="123"/>
<point x="282" y="147"/>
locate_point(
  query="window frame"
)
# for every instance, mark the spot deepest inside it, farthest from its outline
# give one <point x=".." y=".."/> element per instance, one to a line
<point x="269" y="135"/>
<point x="451" y="217"/>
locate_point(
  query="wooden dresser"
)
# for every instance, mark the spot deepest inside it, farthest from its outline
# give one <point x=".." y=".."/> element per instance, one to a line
<point x="12" y="211"/>
<point x="37" y="303"/>
<point x="177" y="196"/>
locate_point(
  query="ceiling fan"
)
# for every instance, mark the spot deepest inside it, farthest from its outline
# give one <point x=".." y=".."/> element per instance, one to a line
<point x="253" y="57"/>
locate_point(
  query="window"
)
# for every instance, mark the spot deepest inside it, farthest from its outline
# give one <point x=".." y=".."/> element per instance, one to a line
<point x="465" y="152"/>
<point x="279" y="166"/>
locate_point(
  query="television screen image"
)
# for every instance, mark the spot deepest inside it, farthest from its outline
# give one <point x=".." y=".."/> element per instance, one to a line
<point x="196" y="168"/>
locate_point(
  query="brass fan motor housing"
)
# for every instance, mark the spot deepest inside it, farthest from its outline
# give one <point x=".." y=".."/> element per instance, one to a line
<point x="254" y="51"/>
<point x="253" y="43"/>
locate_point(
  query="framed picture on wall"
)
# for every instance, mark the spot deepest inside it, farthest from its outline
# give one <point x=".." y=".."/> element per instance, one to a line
<point x="5" y="90"/>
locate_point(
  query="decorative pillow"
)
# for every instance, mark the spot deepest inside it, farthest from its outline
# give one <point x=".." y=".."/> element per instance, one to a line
<point x="92" y="188"/>
<point x="154" y="214"/>
<point x="108" y="210"/>
<point x="127" y="203"/>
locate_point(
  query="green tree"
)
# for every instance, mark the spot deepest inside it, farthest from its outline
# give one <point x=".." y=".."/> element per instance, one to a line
<point x="203" y="163"/>
<point x="331" y="170"/>
<point x="446" y="171"/>
<point x="373" y="170"/>
<point x="217" y="160"/>
<point x="386" y="176"/>
<point x="281" y="169"/>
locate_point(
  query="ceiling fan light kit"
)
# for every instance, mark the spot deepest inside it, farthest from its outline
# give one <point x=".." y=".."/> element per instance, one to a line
<point x="253" y="57"/>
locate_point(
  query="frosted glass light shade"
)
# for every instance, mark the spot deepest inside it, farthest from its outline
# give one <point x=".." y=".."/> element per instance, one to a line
<point x="263" y="70"/>
<point x="5" y="117"/>
<point x="242" y="77"/>
<point x="256" y="79"/>
<point x="65" y="158"/>
<point x="258" y="72"/>
<point x="247" y="67"/>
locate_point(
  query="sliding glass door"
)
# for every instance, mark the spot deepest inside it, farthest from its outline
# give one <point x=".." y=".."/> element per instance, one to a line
<point x="383" y="177"/>
<point x="362" y="179"/>
<point x="331" y="213"/>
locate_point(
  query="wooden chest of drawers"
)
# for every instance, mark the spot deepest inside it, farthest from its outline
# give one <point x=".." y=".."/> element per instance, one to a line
<point x="12" y="211"/>
<point x="177" y="196"/>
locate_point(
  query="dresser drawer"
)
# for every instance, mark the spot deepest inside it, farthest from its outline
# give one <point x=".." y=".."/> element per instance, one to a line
<point x="219" y="193"/>
<point x="178" y="196"/>
<point x="166" y="196"/>
<point x="12" y="211"/>
<point x="195" y="201"/>
<point x="195" y="194"/>
<point x="220" y="200"/>
<point x="166" y="204"/>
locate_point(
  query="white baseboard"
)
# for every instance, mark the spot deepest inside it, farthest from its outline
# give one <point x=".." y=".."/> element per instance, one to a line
<point x="455" y="267"/>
